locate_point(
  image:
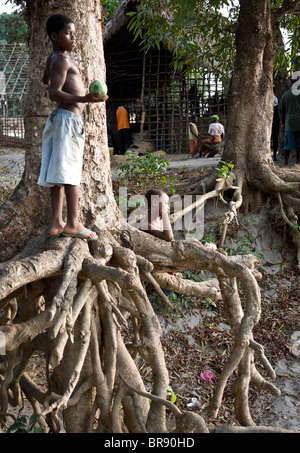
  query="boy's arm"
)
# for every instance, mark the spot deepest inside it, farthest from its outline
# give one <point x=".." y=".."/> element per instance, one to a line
<point x="167" y="233"/>
<point x="58" y="77"/>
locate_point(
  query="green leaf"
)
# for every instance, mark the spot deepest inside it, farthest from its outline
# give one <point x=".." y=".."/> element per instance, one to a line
<point x="171" y="394"/>
<point x="18" y="426"/>
<point x="38" y="430"/>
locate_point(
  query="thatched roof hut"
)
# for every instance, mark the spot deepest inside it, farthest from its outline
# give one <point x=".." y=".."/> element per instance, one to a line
<point x="159" y="99"/>
<point x="122" y="55"/>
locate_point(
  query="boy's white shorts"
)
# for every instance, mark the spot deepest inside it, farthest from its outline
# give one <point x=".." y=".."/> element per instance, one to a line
<point x="62" y="149"/>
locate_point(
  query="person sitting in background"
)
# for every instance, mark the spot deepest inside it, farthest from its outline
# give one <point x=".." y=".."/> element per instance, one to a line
<point x="216" y="133"/>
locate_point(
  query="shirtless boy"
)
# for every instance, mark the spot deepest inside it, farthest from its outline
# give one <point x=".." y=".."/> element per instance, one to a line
<point x="63" y="136"/>
<point x="156" y="221"/>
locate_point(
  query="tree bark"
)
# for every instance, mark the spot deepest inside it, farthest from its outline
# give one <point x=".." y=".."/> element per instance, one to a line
<point x="24" y="212"/>
<point x="250" y="98"/>
<point x="28" y="210"/>
<point x="249" y="121"/>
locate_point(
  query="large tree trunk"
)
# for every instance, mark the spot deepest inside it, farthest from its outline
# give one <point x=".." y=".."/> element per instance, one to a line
<point x="249" y="121"/>
<point x="250" y="111"/>
<point x="28" y="213"/>
<point x="97" y="203"/>
<point x="31" y="202"/>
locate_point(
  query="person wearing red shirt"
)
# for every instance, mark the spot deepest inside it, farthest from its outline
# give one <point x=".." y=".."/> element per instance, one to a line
<point x="125" y="140"/>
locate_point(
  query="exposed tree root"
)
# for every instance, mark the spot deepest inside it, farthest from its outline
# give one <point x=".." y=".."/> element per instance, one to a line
<point x="292" y="220"/>
<point x="71" y="291"/>
<point x="265" y="178"/>
<point x="250" y="430"/>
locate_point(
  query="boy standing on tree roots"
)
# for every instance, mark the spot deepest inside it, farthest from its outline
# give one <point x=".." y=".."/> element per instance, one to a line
<point x="63" y="136"/>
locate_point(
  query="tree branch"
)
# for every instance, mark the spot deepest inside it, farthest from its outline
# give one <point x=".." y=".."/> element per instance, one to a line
<point x="288" y="6"/>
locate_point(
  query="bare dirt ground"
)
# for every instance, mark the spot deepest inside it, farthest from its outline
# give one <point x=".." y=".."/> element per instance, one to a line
<point x="196" y="337"/>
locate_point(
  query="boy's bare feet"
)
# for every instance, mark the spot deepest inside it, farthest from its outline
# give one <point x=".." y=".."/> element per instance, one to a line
<point x="80" y="231"/>
<point x="56" y="229"/>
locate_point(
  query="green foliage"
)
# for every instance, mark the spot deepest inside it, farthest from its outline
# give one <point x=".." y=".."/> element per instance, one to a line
<point x="24" y="426"/>
<point x="245" y="246"/>
<point x="209" y="304"/>
<point x="180" y="303"/>
<point x="286" y="56"/>
<point x="13" y="28"/>
<point x="190" y="29"/>
<point x="109" y="7"/>
<point x="190" y="275"/>
<point x="187" y="300"/>
<point x="208" y="238"/>
<point x="226" y="170"/>
<point x="140" y="169"/>
<point x="171" y="394"/>
<point x="202" y="31"/>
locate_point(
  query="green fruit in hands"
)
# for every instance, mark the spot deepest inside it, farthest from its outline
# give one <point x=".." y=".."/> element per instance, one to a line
<point x="98" y="87"/>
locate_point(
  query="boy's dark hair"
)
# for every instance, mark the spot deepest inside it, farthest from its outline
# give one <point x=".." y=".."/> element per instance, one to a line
<point x="56" y="23"/>
<point x="153" y="192"/>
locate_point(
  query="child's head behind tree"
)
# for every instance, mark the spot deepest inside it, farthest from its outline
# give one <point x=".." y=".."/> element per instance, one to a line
<point x="157" y="220"/>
